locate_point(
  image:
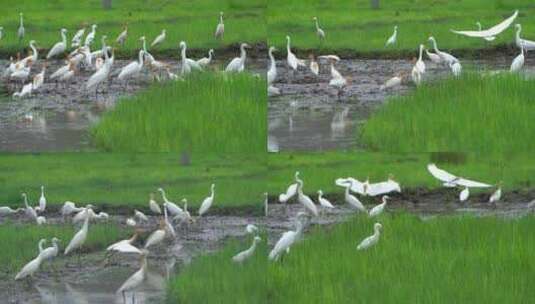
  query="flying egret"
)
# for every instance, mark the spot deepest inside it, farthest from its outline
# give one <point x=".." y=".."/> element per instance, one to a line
<point x="79" y="238"/>
<point x="7" y="210"/>
<point x="246" y="254"/>
<point x="324" y="203"/>
<point x="392" y="82"/>
<point x="518" y="62"/>
<point x="444" y="57"/>
<point x="393" y="39"/>
<point x="132" y="69"/>
<point x="492" y="32"/>
<point x="30" y="268"/>
<point x="319" y="31"/>
<point x="91" y="36"/>
<point x="157" y="236"/>
<point x="125" y="246"/>
<point x="272" y="71"/>
<point x="238" y="63"/>
<point x="353" y="201"/>
<point x="135" y="280"/>
<point x="158" y="39"/>
<point x="479" y="28"/>
<point x="205" y="61"/>
<point x="527" y="45"/>
<point x="251" y="229"/>
<point x="450" y="180"/>
<point x="153" y="205"/>
<point x="371" y="240"/>
<point x="21" y="31"/>
<point x="463" y="196"/>
<point x="60" y="47"/>
<point x="496" y="195"/>
<point x="140" y="215"/>
<point x="77" y="38"/>
<point x="304" y="200"/>
<point x="293" y="61"/>
<point x="314" y="67"/>
<point x="288" y="238"/>
<point x="377" y="210"/>
<point x="121" y="39"/>
<point x="207" y="203"/>
<point x="220" y="29"/>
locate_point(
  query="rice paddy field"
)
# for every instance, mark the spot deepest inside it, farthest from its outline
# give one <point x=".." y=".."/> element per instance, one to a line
<point x="21" y="240"/>
<point x="442" y="260"/>
<point x="218" y="113"/>
<point x="352" y="27"/>
<point x="191" y="21"/>
<point x="474" y="113"/>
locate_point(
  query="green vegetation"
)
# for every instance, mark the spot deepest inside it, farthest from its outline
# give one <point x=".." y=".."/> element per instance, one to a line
<point x="20" y="241"/>
<point x="444" y="260"/>
<point x="192" y="21"/>
<point x="352" y="26"/>
<point x="473" y="113"/>
<point x="125" y="180"/>
<point x="206" y="113"/>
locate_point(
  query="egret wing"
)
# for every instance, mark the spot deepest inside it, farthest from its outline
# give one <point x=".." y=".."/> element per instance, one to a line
<point x="493" y="31"/>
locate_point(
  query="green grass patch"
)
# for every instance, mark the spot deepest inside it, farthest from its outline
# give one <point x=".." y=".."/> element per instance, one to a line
<point x="473" y="113"/>
<point x="353" y="26"/>
<point x="205" y="113"/>
<point x="444" y="260"/>
<point x="192" y="21"/>
<point x="21" y="241"/>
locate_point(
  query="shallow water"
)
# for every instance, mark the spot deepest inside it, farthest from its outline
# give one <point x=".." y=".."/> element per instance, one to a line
<point x="309" y="116"/>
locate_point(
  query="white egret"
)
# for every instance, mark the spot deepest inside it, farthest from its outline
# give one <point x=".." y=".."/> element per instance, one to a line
<point x="121" y="39"/>
<point x="293" y="61"/>
<point x="21" y="31"/>
<point x="79" y="238"/>
<point x="207" y="203"/>
<point x="59" y="72"/>
<point x="125" y="246"/>
<point x="26" y="90"/>
<point x="433" y="57"/>
<point x="272" y="71"/>
<point x="329" y="57"/>
<point x="158" y="39"/>
<point x="492" y="32"/>
<point x="153" y="205"/>
<point x="8" y="210"/>
<point x="337" y="80"/>
<point x="187" y="64"/>
<point x="30" y="268"/>
<point x="40" y="245"/>
<point x="169" y="229"/>
<point x="251" y="229"/>
<point x="388" y="186"/>
<point x="496" y="196"/>
<point x="132" y="69"/>
<point x="392" y="82"/>
<point x="205" y="61"/>
<point x="102" y="74"/>
<point x="60" y="47"/>
<point x="86" y="212"/>
<point x="416" y="76"/>
<point x="77" y="38"/>
<point x="450" y="180"/>
<point x="273" y="91"/>
<point x="393" y="39"/>
<point x="238" y="63"/>
<point x="184" y="214"/>
<point x="22" y="73"/>
<point x="377" y="210"/>
<point x="70" y="208"/>
<point x="319" y="31"/>
<point x="371" y="240"/>
<point x="157" y="236"/>
<point x="527" y="45"/>
<point x="40" y="220"/>
<point x="456" y="68"/>
<point x="518" y="62"/>
<point x="131" y="222"/>
<point x="173" y="208"/>
<point x="91" y="36"/>
<point x="266" y="204"/>
<point x="324" y="203"/>
<point x="314" y="67"/>
<point x="463" y="196"/>
<point x="140" y="215"/>
<point x="246" y="254"/>
<point x="220" y="29"/>
<point x="444" y="57"/>
<point x="39" y="78"/>
<point x="305" y="200"/>
<point x="135" y="280"/>
<point x="50" y="252"/>
<point x="29" y="210"/>
<point x="420" y="65"/>
<point x="353" y="201"/>
<point x="33" y="57"/>
<point x="287" y="239"/>
<point x="479" y="28"/>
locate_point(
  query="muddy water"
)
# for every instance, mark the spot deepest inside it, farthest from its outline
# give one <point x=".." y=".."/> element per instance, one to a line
<point x="308" y="115"/>
<point x="61" y="115"/>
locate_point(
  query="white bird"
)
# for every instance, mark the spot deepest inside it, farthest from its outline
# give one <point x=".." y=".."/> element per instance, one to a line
<point x="266" y="204"/>
<point x="22" y="73"/>
<point x="388" y="186"/>
<point x="140" y="215"/>
<point x="173" y="208"/>
<point x="132" y="69"/>
<point x="70" y="208"/>
<point x="77" y="38"/>
<point x="39" y="78"/>
<point x="207" y="203"/>
<point x="353" y="201"/>
<point x="287" y="239"/>
<point x="40" y="220"/>
<point x="33" y="57"/>
<point x="496" y="195"/>
<point x="420" y="65"/>
<point x="205" y="61"/>
<point x="131" y="222"/>
<point x="323" y="201"/>
<point x="272" y="71"/>
<point x="187" y="63"/>
<point x="433" y="57"/>
<point x="50" y="252"/>
<point x="184" y="215"/>
<point x="337" y="80"/>
<point x="158" y="39"/>
<point x="290" y="192"/>
<point x="79" y="238"/>
<point x="319" y="31"/>
<point x="238" y="63"/>
<point x="102" y="74"/>
<point x="60" y="47"/>
<point x="416" y="76"/>
<point x="7" y="210"/>
<point x="26" y="90"/>
<point x="392" y="40"/>
<point x="125" y="246"/>
<point x="463" y="196"/>
<point x="479" y="28"/>
<point x="59" y="72"/>
<point x="444" y="57"/>
<point x="377" y="210"/>
<point x="169" y="229"/>
<point x="305" y="200"/>
<point x="273" y="91"/>
<point x="42" y="200"/>
<point x="29" y="210"/>
<point x="86" y="212"/>
<point x="246" y="254"/>
<point x="135" y="280"/>
<point x="1" y="32"/>
<point x="491" y="32"/>
<point x="392" y="82"/>
<point x="251" y="229"/>
<point x="450" y="180"/>
<point x="314" y="67"/>
<point x="371" y="240"/>
<point x="30" y="268"/>
<point x="518" y="62"/>
<point x="456" y="68"/>
<point x="91" y="36"/>
<point x="157" y="236"/>
<point x="121" y="39"/>
<point x="220" y="29"/>
<point x="292" y="60"/>
<point x="527" y="45"/>
<point x="21" y="31"/>
<point x="153" y="205"/>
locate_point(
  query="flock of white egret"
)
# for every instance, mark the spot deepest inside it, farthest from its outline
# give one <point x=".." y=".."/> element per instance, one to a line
<point x="99" y="62"/>
<point x="438" y="57"/>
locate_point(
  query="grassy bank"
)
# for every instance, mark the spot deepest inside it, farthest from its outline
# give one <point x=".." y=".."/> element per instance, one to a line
<point x="194" y="22"/>
<point x="446" y="260"/>
<point x="473" y="113"/>
<point x="21" y="242"/>
<point x="354" y="26"/>
<point x="207" y="113"/>
<point x="114" y="180"/>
